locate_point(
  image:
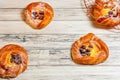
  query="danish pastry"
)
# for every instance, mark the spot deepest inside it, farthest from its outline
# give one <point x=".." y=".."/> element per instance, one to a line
<point x="89" y="50"/>
<point x="13" y="61"/>
<point x="38" y="14"/>
<point x="105" y="12"/>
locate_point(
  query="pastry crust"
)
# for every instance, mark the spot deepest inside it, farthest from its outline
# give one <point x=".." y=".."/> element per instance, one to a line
<point x="38" y="14"/>
<point x="89" y="49"/>
<point x="104" y="12"/>
<point x="13" y="61"/>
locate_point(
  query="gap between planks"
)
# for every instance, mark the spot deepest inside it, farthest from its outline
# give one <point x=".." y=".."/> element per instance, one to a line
<point x="55" y="27"/>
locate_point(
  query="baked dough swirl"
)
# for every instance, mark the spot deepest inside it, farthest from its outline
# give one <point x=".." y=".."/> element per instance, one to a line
<point x="105" y="12"/>
<point x="89" y="49"/>
<point x="13" y="61"/>
<point x="38" y="14"/>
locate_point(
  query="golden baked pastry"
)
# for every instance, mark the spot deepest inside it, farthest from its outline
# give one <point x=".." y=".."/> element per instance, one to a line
<point x="38" y="14"/>
<point x="105" y="12"/>
<point x="89" y="49"/>
<point x="13" y="61"/>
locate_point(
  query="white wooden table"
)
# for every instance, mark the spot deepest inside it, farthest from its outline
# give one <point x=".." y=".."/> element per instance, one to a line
<point x="49" y="48"/>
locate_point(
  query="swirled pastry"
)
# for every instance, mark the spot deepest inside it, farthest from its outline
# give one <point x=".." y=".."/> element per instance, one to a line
<point x="13" y="61"/>
<point x="105" y="12"/>
<point x="89" y="49"/>
<point x="38" y="14"/>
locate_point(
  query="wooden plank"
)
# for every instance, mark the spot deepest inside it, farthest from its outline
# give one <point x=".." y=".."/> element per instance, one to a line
<point x="55" y="27"/>
<point x="54" y="41"/>
<point x="53" y="38"/>
<point x="53" y="3"/>
<point x="81" y="77"/>
<point x="56" y="57"/>
<point x="70" y="73"/>
<point x="60" y="14"/>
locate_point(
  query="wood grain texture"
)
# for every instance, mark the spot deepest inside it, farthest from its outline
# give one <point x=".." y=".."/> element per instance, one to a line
<point x="53" y="3"/>
<point x="60" y="14"/>
<point x="70" y="73"/>
<point x="49" y="49"/>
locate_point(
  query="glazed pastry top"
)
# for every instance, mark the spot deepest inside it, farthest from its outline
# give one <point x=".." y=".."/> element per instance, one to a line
<point x="13" y="60"/>
<point x="38" y="14"/>
<point x="105" y="12"/>
<point x="89" y="49"/>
